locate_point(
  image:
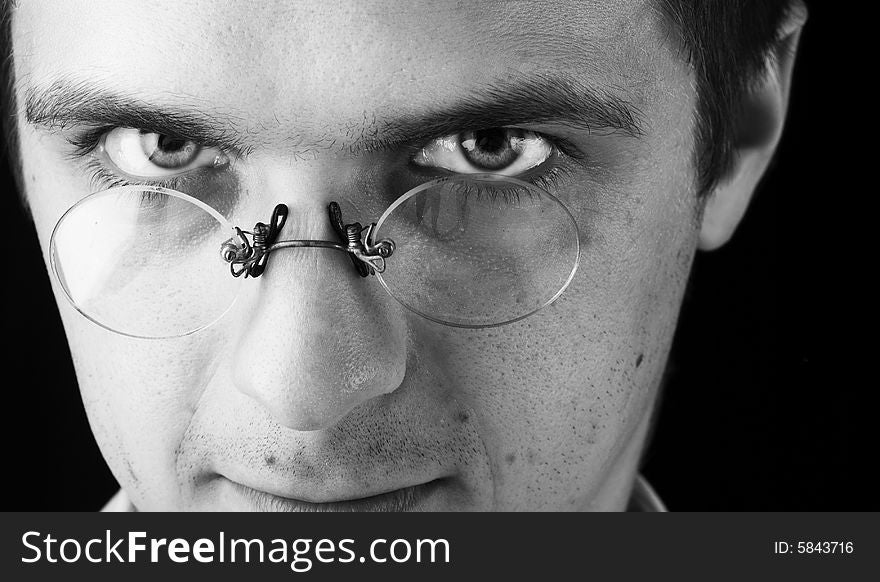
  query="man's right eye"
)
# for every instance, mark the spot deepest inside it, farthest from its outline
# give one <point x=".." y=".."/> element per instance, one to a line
<point x="144" y="154"/>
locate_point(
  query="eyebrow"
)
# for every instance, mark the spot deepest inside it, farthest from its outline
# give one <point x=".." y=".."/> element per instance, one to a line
<point x="535" y="99"/>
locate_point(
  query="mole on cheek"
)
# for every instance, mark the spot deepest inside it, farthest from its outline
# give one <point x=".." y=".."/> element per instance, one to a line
<point x="462" y="416"/>
<point x="510" y="458"/>
<point x="270" y="460"/>
<point x="532" y="456"/>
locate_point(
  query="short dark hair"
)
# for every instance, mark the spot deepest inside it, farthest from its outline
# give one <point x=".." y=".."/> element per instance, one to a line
<point x="727" y="42"/>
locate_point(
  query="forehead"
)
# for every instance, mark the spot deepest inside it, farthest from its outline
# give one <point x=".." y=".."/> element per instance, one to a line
<point x="309" y="62"/>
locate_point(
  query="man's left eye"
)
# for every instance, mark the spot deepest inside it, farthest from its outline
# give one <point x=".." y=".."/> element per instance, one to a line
<point x="153" y="155"/>
<point x="501" y="150"/>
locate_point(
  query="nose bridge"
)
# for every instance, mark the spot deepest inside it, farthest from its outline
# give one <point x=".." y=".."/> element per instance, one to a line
<point x="318" y="339"/>
<point x="308" y="222"/>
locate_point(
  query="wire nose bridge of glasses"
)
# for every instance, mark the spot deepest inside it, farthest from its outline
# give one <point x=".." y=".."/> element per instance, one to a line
<point x="250" y="257"/>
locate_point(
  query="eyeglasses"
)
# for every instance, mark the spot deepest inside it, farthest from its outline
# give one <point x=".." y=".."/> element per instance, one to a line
<point x="472" y="251"/>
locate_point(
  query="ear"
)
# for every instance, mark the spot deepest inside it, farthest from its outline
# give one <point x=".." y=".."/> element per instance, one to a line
<point x="757" y="132"/>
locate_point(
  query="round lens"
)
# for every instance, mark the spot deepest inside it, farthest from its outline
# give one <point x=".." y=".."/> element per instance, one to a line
<point x="478" y="251"/>
<point x="144" y="261"/>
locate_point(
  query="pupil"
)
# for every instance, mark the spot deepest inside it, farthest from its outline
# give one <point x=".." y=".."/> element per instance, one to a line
<point x="171" y="144"/>
<point x="168" y="151"/>
<point x="489" y="149"/>
<point x="492" y="141"/>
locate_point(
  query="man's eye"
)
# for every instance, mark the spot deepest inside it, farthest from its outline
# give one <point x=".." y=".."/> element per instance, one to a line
<point x="501" y="150"/>
<point x="152" y="155"/>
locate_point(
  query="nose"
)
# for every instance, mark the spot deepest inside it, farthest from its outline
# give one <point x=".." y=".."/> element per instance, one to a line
<point x="319" y="340"/>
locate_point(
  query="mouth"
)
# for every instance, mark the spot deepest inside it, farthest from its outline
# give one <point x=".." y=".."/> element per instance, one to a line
<point x="412" y="498"/>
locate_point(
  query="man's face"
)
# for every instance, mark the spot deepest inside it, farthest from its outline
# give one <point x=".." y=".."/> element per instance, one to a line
<point x="318" y="387"/>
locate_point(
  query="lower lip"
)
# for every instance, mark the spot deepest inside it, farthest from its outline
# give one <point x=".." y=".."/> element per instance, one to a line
<point x="406" y="499"/>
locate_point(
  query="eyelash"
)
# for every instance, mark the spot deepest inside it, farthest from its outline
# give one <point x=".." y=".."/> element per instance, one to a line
<point x="101" y="177"/>
<point x="512" y="195"/>
<point x="550" y="180"/>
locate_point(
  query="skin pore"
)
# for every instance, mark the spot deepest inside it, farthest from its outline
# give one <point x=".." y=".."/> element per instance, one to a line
<point x="319" y="389"/>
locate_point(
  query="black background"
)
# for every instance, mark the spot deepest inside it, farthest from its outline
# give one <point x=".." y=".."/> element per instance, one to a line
<point x="749" y="420"/>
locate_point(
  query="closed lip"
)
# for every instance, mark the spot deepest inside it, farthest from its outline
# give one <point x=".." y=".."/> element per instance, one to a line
<point x="403" y="499"/>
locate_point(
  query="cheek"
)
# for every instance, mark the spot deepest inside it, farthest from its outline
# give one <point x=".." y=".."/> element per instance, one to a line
<point x="140" y="397"/>
<point x="559" y="395"/>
